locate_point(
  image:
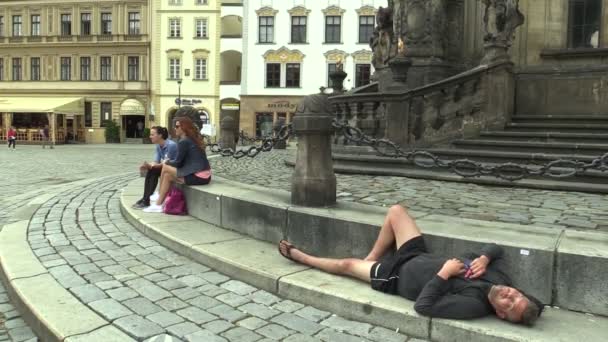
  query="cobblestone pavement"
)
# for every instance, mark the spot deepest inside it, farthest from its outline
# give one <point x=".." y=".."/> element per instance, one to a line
<point x="148" y="291"/>
<point x="554" y="209"/>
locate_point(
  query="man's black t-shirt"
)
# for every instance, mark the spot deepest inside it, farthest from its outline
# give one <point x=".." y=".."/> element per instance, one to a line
<point x="457" y="297"/>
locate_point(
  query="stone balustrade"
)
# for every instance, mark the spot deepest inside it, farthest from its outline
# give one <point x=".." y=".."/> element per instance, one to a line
<point x="456" y="107"/>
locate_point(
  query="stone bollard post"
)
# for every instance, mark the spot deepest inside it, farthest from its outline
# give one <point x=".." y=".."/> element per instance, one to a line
<point x="282" y="144"/>
<point x="313" y="182"/>
<point x="227" y="136"/>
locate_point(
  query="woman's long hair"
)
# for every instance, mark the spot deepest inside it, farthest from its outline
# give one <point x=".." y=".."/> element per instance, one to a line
<point x="189" y="129"/>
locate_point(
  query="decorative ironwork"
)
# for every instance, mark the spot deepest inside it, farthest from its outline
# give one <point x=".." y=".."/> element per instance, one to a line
<point x="267" y="145"/>
<point x="561" y="168"/>
<point x="244" y="139"/>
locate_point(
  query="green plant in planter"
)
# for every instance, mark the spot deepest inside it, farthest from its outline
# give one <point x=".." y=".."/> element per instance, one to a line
<point x="112" y="131"/>
<point x="146" y="137"/>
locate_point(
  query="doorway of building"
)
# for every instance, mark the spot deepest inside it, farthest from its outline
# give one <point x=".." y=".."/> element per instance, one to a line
<point x="134" y="126"/>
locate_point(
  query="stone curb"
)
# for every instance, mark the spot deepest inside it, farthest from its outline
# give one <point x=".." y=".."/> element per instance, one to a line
<point x="52" y="312"/>
<point x="256" y="262"/>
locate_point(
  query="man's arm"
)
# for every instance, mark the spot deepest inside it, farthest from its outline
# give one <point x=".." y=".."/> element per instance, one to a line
<point x="435" y="301"/>
<point x="489" y="253"/>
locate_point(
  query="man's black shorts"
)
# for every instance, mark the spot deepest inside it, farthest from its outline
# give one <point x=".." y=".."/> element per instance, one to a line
<point x="385" y="274"/>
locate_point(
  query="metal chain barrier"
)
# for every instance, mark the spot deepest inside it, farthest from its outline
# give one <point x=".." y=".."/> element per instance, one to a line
<point x="561" y="168"/>
<point x="244" y="139"/>
<point x="267" y="145"/>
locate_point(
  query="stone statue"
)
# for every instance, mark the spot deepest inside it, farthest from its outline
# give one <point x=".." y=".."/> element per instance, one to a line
<point x="382" y="41"/>
<point x="501" y="19"/>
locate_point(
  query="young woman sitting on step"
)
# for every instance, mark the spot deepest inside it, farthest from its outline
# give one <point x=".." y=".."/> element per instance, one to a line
<point x="191" y="166"/>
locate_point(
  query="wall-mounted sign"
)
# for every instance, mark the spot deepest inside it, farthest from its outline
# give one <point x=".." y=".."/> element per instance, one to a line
<point x="282" y="105"/>
<point x="231" y="106"/>
<point x="188" y="102"/>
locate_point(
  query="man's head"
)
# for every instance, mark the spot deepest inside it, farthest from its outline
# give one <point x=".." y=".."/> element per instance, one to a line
<point x="514" y="306"/>
<point x="158" y="134"/>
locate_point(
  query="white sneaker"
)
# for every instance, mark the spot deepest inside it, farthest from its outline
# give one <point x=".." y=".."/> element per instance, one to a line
<point x="154" y="197"/>
<point x="154" y="208"/>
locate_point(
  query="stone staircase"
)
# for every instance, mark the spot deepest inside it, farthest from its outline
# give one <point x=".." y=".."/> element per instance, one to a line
<point x="527" y="139"/>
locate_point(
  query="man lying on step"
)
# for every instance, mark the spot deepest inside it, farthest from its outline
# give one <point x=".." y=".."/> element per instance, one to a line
<point x="462" y="288"/>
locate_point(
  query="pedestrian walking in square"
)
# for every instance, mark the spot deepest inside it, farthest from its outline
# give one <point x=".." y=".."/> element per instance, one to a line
<point x="11" y="136"/>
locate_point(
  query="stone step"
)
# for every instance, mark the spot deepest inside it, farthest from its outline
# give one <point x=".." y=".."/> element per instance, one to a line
<point x="590" y="181"/>
<point x="245" y="211"/>
<point x="546" y="136"/>
<point x="587" y="119"/>
<point x="485" y="154"/>
<point x="557" y="127"/>
<point x="591" y="149"/>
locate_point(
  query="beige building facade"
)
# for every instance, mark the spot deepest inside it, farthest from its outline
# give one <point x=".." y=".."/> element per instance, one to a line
<point x="89" y="56"/>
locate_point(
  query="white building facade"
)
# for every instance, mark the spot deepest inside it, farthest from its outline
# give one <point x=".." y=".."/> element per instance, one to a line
<point x="291" y="46"/>
<point x="185" y="58"/>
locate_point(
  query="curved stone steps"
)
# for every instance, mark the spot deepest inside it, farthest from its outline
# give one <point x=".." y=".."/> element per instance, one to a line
<point x="235" y="213"/>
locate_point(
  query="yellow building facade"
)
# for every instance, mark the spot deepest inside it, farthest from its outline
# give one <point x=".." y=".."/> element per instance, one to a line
<point x="185" y="58"/>
<point x="75" y="65"/>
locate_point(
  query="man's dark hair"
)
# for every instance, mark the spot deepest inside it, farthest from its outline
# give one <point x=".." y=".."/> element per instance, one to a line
<point x="162" y="131"/>
<point x="532" y="311"/>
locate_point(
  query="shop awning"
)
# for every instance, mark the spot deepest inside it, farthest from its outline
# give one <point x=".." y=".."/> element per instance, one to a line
<point x="29" y="104"/>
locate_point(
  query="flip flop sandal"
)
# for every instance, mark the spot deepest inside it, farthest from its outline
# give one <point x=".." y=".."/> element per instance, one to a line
<point x="288" y="252"/>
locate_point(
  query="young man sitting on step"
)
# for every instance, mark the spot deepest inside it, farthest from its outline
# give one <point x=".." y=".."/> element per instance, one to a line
<point x="456" y="288"/>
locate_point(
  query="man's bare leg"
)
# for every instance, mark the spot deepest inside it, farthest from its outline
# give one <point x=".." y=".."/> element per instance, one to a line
<point x="355" y="268"/>
<point x="398" y="228"/>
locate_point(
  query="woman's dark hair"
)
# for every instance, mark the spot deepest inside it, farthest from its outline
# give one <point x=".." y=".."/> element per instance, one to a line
<point x="162" y="131"/>
<point x="191" y="131"/>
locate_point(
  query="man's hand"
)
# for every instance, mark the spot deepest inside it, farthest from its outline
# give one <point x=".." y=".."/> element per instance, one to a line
<point x="479" y="266"/>
<point x="451" y="268"/>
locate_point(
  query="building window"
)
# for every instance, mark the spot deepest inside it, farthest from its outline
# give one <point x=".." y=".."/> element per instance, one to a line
<point x="333" y="28"/>
<point x="331" y="67"/>
<point x="201" y="28"/>
<point x="1" y="69"/>
<point x="16" y="69"/>
<point x="17" y="26"/>
<point x="35" y="25"/>
<point x="584" y="23"/>
<point x="66" y="24"/>
<point x="175" y="2"/>
<point x="366" y="28"/>
<point x="106" y="68"/>
<point x="85" y="24"/>
<point x="174" y="68"/>
<point x="88" y="114"/>
<point x="66" y="68"/>
<point x="201" y="2"/>
<point x="293" y="75"/>
<point x="105" y="112"/>
<point x="133" y="68"/>
<point x="175" y="28"/>
<point x="200" y="69"/>
<point x="298" y="29"/>
<point x="35" y="68"/>
<point x="266" y="30"/>
<point x="85" y="68"/>
<point x="273" y="75"/>
<point x="106" y="23"/>
<point x="134" y="23"/>
<point x="1" y="26"/>
<point x="362" y="75"/>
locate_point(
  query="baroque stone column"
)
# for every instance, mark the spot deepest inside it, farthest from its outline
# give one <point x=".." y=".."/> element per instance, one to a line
<point x="422" y="25"/>
<point x="501" y="19"/>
